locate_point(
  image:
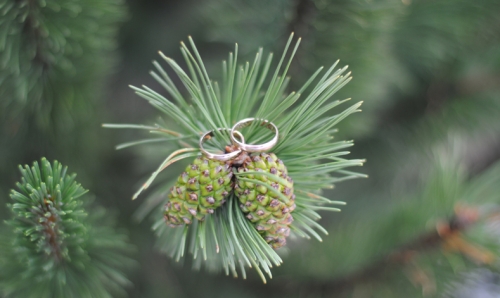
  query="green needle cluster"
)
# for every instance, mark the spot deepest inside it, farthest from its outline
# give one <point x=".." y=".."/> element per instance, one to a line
<point x="58" y="243"/>
<point x="306" y="120"/>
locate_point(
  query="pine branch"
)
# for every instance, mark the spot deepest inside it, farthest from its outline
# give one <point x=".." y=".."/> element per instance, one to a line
<point x="52" y="56"/>
<point x="54" y="59"/>
<point x="226" y="240"/>
<point x="57" y="244"/>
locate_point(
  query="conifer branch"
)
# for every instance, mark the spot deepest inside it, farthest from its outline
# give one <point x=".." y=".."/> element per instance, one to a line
<point x="44" y="45"/>
<point x="226" y="239"/>
<point x="57" y="244"/>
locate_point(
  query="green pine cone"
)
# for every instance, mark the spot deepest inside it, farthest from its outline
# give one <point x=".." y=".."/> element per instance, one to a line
<point x="269" y="212"/>
<point x="201" y="188"/>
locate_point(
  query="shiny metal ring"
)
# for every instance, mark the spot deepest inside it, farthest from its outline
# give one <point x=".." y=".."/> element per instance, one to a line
<point x="220" y="157"/>
<point x="257" y="147"/>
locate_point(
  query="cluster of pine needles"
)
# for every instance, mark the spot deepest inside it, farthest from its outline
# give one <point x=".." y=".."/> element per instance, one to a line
<point x="306" y="120"/>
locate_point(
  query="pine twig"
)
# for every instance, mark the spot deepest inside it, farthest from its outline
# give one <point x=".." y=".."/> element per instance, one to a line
<point x="228" y="241"/>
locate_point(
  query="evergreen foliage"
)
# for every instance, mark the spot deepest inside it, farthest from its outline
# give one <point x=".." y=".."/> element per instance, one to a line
<point x="395" y="48"/>
<point x="55" y="57"/>
<point x="59" y="244"/>
<point x="425" y="224"/>
<point x="52" y="55"/>
<point x="227" y="240"/>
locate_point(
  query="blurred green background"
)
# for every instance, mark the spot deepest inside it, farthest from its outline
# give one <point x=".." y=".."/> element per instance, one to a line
<point x="429" y="75"/>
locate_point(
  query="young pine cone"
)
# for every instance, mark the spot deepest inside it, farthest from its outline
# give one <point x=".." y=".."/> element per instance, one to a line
<point x="269" y="212"/>
<point x="199" y="190"/>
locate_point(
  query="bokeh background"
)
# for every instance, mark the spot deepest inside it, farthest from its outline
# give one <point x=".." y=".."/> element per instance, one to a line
<point x="425" y="222"/>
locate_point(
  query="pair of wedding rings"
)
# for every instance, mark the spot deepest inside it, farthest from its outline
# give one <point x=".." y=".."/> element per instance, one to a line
<point x="238" y="139"/>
